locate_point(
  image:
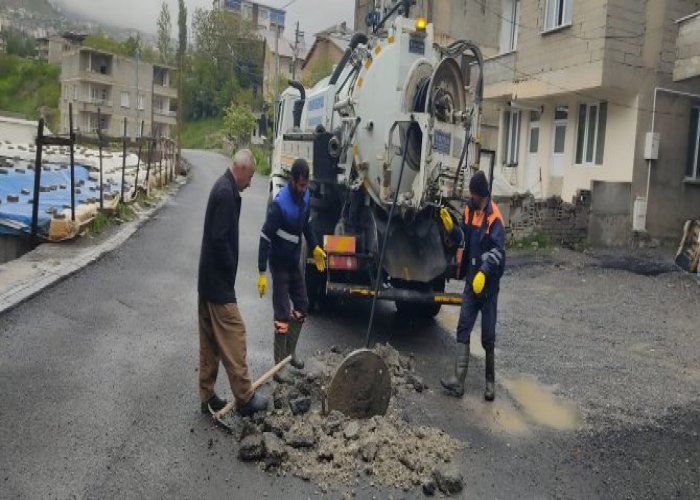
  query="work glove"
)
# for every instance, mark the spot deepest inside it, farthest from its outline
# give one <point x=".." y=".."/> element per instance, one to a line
<point x="262" y="284"/>
<point x="479" y="283"/>
<point x="320" y="259"/>
<point x="447" y="221"/>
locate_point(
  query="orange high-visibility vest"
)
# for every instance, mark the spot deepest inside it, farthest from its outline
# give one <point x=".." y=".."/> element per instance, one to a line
<point x="478" y="218"/>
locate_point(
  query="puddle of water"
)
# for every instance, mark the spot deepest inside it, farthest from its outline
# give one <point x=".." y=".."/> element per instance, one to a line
<point x="542" y="406"/>
<point x="499" y="416"/>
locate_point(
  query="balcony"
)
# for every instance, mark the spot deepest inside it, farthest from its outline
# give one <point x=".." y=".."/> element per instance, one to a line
<point x="165" y="116"/>
<point x="499" y="75"/>
<point x="92" y="104"/>
<point x="165" y="91"/>
<point x="96" y="77"/>
<point x="687" y="48"/>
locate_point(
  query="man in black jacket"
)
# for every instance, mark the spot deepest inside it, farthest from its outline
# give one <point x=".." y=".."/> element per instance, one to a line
<point x="222" y="335"/>
<point x="280" y="242"/>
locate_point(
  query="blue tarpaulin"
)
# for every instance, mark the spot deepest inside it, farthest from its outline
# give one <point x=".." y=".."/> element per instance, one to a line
<point x="17" y="216"/>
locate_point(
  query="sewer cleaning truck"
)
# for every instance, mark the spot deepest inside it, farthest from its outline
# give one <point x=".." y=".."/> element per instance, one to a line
<point x="391" y="136"/>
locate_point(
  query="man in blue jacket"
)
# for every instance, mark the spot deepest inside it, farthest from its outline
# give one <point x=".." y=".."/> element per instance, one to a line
<point x="483" y="236"/>
<point x="280" y="243"/>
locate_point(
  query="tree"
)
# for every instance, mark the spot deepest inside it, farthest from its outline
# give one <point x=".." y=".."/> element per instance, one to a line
<point x="239" y="123"/>
<point x="164" y="28"/>
<point x="182" y="29"/>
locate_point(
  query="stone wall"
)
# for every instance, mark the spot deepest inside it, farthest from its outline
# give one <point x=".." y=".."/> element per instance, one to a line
<point x="563" y="223"/>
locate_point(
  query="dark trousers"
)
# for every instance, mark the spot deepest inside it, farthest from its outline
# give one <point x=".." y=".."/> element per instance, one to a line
<point x="471" y="305"/>
<point x="288" y="290"/>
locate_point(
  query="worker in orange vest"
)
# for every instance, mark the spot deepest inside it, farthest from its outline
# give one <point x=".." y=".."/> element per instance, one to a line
<point x="483" y="236"/>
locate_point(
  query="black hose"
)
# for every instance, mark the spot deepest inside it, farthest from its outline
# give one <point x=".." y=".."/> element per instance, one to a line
<point x="298" y="104"/>
<point x="356" y="39"/>
<point x="386" y="238"/>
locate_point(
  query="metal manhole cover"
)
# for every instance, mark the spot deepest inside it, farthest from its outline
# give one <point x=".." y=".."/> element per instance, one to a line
<point x="361" y="386"/>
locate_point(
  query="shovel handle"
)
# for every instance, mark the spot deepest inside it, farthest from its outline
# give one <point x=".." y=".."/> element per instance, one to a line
<point x="261" y="381"/>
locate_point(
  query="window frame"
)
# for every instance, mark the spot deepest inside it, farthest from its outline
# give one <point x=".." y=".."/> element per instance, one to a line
<point x="692" y="171"/>
<point x="510" y="22"/>
<point x="558" y="15"/>
<point x="511" y="138"/>
<point x="582" y="148"/>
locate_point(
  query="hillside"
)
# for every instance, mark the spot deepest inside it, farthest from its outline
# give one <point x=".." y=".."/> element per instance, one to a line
<point x="41" y="7"/>
<point x="27" y="85"/>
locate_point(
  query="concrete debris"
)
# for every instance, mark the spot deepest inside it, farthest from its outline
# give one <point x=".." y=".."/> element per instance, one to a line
<point x="333" y="451"/>
<point x="448" y="479"/>
<point x="252" y="448"/>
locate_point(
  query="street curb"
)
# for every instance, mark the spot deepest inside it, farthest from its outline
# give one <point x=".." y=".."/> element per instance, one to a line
<point x="21" y="294"/>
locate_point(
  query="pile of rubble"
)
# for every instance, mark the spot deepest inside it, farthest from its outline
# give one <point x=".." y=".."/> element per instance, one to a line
<point x="298" y="437"/>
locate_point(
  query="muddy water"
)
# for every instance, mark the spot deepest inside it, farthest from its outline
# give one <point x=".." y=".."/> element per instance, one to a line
<point x="542" y="406"/>
<point x="521" y="403"/>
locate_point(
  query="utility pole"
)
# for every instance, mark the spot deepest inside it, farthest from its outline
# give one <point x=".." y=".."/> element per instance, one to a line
<point x="277" y="74"/>
<point x="297" y="34"/>
<point x="137" y="91"/>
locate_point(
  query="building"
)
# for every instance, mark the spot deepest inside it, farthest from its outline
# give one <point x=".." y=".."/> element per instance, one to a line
<point x="580" y="86"/>
<point x="269" y="22"/>
<point x="263" y="17"/>
<point x="326" y="51"/>
<point x="120" y="87"/>
<point x="53" y="48"/>
<point x="3" y="44"/>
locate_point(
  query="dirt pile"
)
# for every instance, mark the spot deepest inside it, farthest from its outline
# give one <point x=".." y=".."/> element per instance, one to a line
<point x="297" y="438"/>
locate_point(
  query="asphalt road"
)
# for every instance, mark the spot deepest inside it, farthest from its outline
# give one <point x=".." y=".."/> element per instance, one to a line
<point x="98" y="383"/>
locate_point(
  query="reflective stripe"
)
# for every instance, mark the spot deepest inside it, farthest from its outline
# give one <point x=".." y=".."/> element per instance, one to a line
<point x="264" y="236"/>
<point x="298" y="316"/>
<point x="292" y="238"/>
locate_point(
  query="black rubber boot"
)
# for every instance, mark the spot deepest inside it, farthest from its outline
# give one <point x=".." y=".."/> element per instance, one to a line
<point x="455" y="384"/>
<point x="280" y="352"/>
<point x="214" y="404"/>
<point x="292" y="339"/>
<point x="490" y="391"/>
<point x="257" y="403"/>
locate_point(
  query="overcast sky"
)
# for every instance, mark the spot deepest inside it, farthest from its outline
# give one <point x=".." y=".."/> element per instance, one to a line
<point x="313" y="15"/>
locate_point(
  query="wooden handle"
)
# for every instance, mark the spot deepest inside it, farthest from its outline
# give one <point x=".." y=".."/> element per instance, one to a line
<point x="261" y="381"/>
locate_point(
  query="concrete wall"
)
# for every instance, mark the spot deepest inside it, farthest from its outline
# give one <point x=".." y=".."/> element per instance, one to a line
<point x="13" y="247"/>
<point x="610" y="222"/>
<point x="673" y="199"/>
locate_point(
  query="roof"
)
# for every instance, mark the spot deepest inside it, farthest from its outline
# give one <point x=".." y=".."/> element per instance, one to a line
<point x="338" y="34"/>
<point x="286" y="47"/>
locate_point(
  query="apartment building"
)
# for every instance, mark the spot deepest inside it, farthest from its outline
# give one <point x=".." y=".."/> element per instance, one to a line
<point x="588" y="100"/>
<point x="120" y="87"/>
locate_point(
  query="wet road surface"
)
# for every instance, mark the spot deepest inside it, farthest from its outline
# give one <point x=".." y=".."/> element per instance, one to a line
<point x="98" y="380"/>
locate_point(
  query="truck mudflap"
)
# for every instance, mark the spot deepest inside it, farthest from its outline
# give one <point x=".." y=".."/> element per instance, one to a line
<point x="393" y="294"/>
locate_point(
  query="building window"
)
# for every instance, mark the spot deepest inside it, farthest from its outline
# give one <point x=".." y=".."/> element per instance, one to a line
<point x="561" y="116"/>
<point x="557" y="14"/>
<point x="511" y="137"/>
<point x="590" y="141"/>
<point x="125" y="100"/>
<point x="693" y="167"/>
<point x="141" y="103"/>
<point x="509" y="25"/>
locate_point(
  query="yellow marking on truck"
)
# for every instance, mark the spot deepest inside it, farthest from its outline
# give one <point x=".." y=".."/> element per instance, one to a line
<point x="359" y="82"/>
<point x="377" y="49"/>
<point x="390" y="40"/>
<point x="368" y="63"/>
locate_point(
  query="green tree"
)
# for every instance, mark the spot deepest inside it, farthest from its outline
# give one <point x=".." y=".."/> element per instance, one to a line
<point x="164" y="29"/>
<point x="18" y="43"/>
<point x="239" y="123"/>
<point x="226" y="65"/>
<point x="182" y="29"/>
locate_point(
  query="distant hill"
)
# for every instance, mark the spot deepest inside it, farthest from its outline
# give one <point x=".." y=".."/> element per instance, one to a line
<point x="42" y="7"/>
